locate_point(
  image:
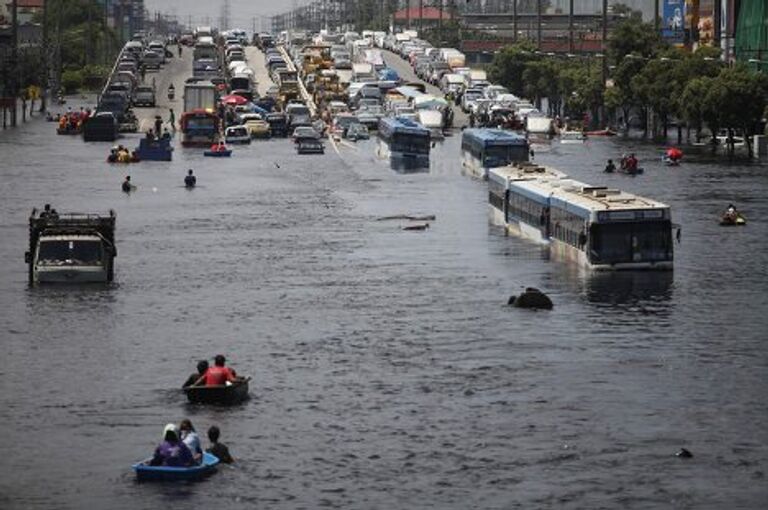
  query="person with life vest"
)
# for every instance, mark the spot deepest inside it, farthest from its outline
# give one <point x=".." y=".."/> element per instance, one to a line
<point x="219" y="374"/>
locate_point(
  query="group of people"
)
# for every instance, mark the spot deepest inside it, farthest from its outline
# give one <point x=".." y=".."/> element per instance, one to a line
<point x="181" y="446"/>
<point x="217" y="375"/>
<point x="121" y="154"/>
<point x="190" y="181"/>
<point x="629" y="163"/>
<point x="71" y="120"/>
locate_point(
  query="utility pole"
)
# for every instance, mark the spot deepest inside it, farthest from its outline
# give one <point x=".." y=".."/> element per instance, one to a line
<point x="656" y="15"/>
<point x="538" y="23"/>
<point x="514" y="20"/>
<point x="421" y="17"/>
<point x="570" y="27"/>
<point x="44" y="80"/>
<point x="14" y="58"/>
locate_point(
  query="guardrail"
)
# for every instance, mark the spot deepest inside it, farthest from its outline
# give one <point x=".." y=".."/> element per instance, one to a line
<point x="302" y="89"/>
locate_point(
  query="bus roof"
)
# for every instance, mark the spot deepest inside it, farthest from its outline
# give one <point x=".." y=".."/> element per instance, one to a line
<point x="403" y="125"/>
<point x="490" y="136"/>
<point x="541" y="182"/>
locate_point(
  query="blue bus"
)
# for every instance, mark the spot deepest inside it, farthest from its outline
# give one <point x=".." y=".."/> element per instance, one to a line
<point x="404" y="142"/>
<point x="483" y="149"/>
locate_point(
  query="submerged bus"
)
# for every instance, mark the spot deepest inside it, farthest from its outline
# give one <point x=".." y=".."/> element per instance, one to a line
<point x="597" y="227"/>
<point x="483" y="149"/>
<point x="404" y="142"/>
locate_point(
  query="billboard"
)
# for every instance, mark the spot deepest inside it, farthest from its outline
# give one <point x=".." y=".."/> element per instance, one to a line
<point x="673" y="20"/>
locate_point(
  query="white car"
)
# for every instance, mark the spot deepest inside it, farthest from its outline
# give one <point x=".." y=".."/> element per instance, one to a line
<point x="237" y="134"/>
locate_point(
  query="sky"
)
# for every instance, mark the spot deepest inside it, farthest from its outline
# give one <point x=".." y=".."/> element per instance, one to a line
<point x="242" y="12"/>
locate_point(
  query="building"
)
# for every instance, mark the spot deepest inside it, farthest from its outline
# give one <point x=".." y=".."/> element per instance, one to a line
<point x="415" y="17"/>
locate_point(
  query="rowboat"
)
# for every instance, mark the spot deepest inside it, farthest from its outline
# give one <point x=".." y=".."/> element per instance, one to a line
<point x="145" y="472"/>
<point x="228" y="394"/>
<point x="731" y="221"/>
<point x="218" y="154"/>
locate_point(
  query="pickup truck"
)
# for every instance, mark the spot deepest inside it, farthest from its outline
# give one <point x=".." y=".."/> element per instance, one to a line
<point x="71" y="248"/>
<point x="144" y="96"/>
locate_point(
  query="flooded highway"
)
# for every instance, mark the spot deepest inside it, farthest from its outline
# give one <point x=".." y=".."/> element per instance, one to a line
<point x="387" y="370"/>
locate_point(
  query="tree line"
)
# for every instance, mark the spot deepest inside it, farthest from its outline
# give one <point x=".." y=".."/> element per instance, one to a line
<point x="649" y="80"/>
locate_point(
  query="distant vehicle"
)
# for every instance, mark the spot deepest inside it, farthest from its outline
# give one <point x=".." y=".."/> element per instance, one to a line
<point x="298" y="115"/>
<point x="278" y="124"/>
<point x="158" y="48"/>
<point x="483" y="149"/>
<point x="237" y="134"/>
<point x="469" y="98"/>
<point x="101" y="127"/>
<point x="310" y="146"/>
<point x="305" y="132"/>
<point x="152" y="60"/>
<point x="405" y="143"/>
<point x="357" y="132"/>
<point x="71" y="248"/>
<point x="256" y="125"/>
<point x="144" y="96"/>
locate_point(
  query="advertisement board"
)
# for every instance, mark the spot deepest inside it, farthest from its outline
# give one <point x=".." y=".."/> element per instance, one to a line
<point x="673" y="20"/>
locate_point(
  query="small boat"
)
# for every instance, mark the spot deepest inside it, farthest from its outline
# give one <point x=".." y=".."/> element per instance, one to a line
<point x="154" y="150"/>
<point x="218" y="154"/>
<point x="228" y="394"/>
<point x="145" y="472"/>
<point x="572" y="137"/>
<point x="732" y="221"/>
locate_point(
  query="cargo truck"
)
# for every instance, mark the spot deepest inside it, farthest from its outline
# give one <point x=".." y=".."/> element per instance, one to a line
<point x="71" y="248"/>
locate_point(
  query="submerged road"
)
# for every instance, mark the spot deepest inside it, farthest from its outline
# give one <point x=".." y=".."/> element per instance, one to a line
<point x="388" y="371"/>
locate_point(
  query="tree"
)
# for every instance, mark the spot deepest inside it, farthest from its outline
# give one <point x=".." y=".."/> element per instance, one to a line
<point x="509" y="64"/>
<point x="692" y="102"/>
<point x="655" y="88"/>
<point x="540" y="79"/>
<point x="631" y="37"/>
<point x="621" y="95"/>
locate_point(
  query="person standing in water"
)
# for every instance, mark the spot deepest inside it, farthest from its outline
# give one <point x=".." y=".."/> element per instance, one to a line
<point x="190" y="181"/>
<point x="127" y="186"/>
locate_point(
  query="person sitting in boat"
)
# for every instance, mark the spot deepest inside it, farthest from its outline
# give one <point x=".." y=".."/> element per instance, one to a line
<point x="190" y="438"/>
<point x="610" y="167"/>
<point x="190" y="181"/>
<point x="731" y="213"/>
<point x="172" y="451"/>
<point x="219" y="374"/>
<point x="63" y="122"/>
<point x="151" y="135"/>
<point x="194" y="379"/>
<point x="166" y="134"/>
<point x="217" y="449"/>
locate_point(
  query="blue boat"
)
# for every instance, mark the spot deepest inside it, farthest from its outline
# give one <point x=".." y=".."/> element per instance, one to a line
<point x="145" y="472"/>
<point x="218" y="154"/>
<point x="154" y="150"/>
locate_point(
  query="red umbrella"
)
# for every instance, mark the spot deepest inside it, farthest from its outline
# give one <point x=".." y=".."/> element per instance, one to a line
<point x="234" y="99"/>
<point x="674" y="153"/>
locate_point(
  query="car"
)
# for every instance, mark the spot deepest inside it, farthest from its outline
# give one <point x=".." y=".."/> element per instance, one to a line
<point x="144" y="96"/>
<point x="237" y="134"/>
<point x="310" y="146"/>
<point x="152" y="60"/>
<point x="357" y="132"/>
<point x="278" y="124"/>
<point x="303" y="132"/>
<point x="256" y="125"/>
<point x="342" y="122"/>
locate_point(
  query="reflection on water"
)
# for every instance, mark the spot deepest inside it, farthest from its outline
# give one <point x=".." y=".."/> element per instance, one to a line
<point x="629" y="288"/>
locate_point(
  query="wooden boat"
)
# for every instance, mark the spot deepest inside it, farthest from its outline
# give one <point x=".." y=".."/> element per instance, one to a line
<point x="219" y="395"/>
<point x="218" y="154"/>
<point x="145" y="472"/>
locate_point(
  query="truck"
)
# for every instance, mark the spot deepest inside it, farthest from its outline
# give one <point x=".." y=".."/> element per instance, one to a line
<point x="71" y="248"/>
<point x="363" y="72"/>
<point x="199" y="95"/>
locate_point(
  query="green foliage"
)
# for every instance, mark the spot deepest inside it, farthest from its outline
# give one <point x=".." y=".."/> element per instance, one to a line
<point x="631" y="37"/>
<point x="509" y="64"/>
<point x="71" y="81"/>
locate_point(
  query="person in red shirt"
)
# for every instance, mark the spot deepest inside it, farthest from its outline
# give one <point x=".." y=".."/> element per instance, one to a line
<point x="219" y="374"/>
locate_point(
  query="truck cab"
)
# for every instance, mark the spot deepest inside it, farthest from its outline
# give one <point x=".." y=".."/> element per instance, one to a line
<point x="71" y="248"/>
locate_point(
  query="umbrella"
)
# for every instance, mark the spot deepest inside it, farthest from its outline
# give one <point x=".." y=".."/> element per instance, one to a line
<point x="674" y="153"/>
<point x="234" y="99"/>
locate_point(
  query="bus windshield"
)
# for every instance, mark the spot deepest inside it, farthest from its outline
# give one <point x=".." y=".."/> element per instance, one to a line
<point x="631" y="242"/>
<point x="410" y="144"/>
<point x="69" y="253"/>
<point x="502" y="155"/>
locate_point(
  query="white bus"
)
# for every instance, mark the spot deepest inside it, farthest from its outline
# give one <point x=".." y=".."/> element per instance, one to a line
<point x="597" y="227"/>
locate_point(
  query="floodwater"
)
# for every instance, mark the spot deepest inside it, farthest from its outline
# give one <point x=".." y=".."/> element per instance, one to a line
<point x="387" y="370"/>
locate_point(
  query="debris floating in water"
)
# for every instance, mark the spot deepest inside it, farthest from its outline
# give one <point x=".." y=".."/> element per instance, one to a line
<point x="427" y="217"/>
